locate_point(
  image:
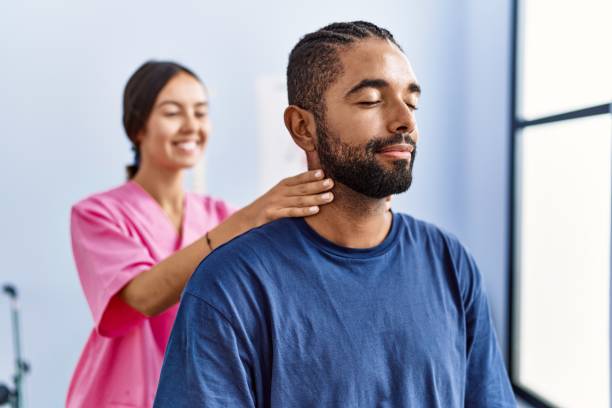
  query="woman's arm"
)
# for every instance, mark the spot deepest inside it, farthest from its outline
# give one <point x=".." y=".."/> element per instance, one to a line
<point x="155" y="290"/>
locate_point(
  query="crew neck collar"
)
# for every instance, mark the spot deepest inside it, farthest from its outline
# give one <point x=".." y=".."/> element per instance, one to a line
<point x="358" y="253"/>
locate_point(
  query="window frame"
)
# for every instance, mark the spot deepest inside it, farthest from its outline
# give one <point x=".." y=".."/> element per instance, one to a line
<point x="517" y="124"/>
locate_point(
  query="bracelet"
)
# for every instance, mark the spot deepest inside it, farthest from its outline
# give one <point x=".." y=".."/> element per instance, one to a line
<point x="208" y="242"/>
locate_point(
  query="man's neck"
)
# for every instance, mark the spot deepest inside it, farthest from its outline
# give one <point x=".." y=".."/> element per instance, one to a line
<point x="352" y="220"/>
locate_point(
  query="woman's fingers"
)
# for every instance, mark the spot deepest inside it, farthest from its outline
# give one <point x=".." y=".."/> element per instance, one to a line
<point x="296" y="196"/>
<point x="295" y="212"/>
<point x="308" y="200"/>
<point x="313" y="187"/>
<point x="300" y="206"/>
<point x="303" y="178"/>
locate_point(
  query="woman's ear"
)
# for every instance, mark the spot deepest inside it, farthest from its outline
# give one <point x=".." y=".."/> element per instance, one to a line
<point x="301" y="125"/>
<point x="138" y="137"/>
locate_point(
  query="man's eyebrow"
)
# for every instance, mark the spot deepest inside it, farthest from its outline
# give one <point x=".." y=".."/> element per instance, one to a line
<point x="367" y="83"/>
<point x="379" y="84"/>
<point x="414" y="88"/>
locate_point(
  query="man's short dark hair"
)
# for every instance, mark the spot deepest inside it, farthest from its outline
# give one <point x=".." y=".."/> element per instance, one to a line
<point x="314" y="62"/>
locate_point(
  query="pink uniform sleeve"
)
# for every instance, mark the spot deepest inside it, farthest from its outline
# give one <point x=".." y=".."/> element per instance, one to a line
<point x="223" y="209"/>
<point x="107" y="258"/>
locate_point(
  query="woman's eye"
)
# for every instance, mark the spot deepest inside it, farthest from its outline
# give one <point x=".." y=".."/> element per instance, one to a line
<point x="412" y="107"/>
<point x="200" y="114"/>
<point x="170" y="114"/>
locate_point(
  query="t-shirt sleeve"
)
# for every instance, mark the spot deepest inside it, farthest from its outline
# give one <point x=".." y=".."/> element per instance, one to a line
<point x="487" y="383"/>
<point x="206" y="363"/>
<point x="107" y="258"/>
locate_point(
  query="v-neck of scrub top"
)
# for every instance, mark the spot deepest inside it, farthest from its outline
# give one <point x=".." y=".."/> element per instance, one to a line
<point x="160" y="219"/>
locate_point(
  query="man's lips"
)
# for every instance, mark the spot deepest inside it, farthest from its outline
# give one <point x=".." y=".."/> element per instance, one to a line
<point x="397" y="151"/>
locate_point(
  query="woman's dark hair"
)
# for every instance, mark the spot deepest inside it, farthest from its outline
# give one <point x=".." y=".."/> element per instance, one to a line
<point x="139" y="97"/>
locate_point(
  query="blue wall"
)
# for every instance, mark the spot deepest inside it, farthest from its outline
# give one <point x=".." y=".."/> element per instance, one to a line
<point x="64" y="64"/>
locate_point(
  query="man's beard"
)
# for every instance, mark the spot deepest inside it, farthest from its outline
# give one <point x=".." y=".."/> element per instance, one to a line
<point x="357" y="166"/>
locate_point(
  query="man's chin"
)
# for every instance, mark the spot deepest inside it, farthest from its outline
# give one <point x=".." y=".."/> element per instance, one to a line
<point x="386" y="190"/>
<point x="390" y="163"/>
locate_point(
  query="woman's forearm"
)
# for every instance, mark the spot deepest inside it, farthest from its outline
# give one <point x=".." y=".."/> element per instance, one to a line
<point x="160" y="287"/>
<point x="155" y="290"/>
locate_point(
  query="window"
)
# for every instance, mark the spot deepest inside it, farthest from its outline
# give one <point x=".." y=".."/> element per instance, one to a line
<point x="561" y="218"/>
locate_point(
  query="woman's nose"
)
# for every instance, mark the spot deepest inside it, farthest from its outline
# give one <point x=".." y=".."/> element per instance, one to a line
<point x="190" y="124"/>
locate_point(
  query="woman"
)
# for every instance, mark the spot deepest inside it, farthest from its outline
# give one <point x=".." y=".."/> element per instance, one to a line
<point x="136" y="246"/>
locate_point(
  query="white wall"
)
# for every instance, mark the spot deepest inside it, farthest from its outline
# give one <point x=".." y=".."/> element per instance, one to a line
<point x="486" y="141"/>
<point x="64" y="64"/>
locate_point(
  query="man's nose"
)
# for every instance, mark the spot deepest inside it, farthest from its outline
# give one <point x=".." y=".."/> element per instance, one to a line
<point x="402" y="119"/>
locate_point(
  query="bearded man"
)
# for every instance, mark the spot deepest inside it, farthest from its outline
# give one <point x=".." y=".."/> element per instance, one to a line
<point x="355" y="306"/>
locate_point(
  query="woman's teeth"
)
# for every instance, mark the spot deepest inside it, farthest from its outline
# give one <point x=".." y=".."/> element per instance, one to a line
<point x="187" y="146"/>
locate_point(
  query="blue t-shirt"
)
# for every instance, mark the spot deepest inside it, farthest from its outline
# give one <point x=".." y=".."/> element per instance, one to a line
<point x="282" y="317"/>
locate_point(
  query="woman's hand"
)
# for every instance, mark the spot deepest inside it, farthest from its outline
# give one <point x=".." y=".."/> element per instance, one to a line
<point x="153" y="291"/>
<point x="298" y="196"/>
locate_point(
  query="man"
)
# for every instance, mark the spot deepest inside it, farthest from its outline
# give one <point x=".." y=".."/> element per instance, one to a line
<point x="355" y="306"/>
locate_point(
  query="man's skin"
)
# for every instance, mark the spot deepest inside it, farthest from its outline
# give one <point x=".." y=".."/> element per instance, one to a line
<point x="353" y="220"/>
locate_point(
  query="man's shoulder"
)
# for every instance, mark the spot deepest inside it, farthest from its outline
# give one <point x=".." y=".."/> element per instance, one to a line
<point x="428" y="233"/>
<point x="245" y="257"/>
<point x="443" y="246"/>
<point x="419" y="226"/>
<point x="263" y="239"/>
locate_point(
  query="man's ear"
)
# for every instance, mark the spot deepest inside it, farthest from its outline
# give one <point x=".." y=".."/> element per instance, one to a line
<point x="301" y="125"/>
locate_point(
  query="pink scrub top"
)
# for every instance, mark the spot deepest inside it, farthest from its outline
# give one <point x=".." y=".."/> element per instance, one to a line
<point x="115" y="236"/>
